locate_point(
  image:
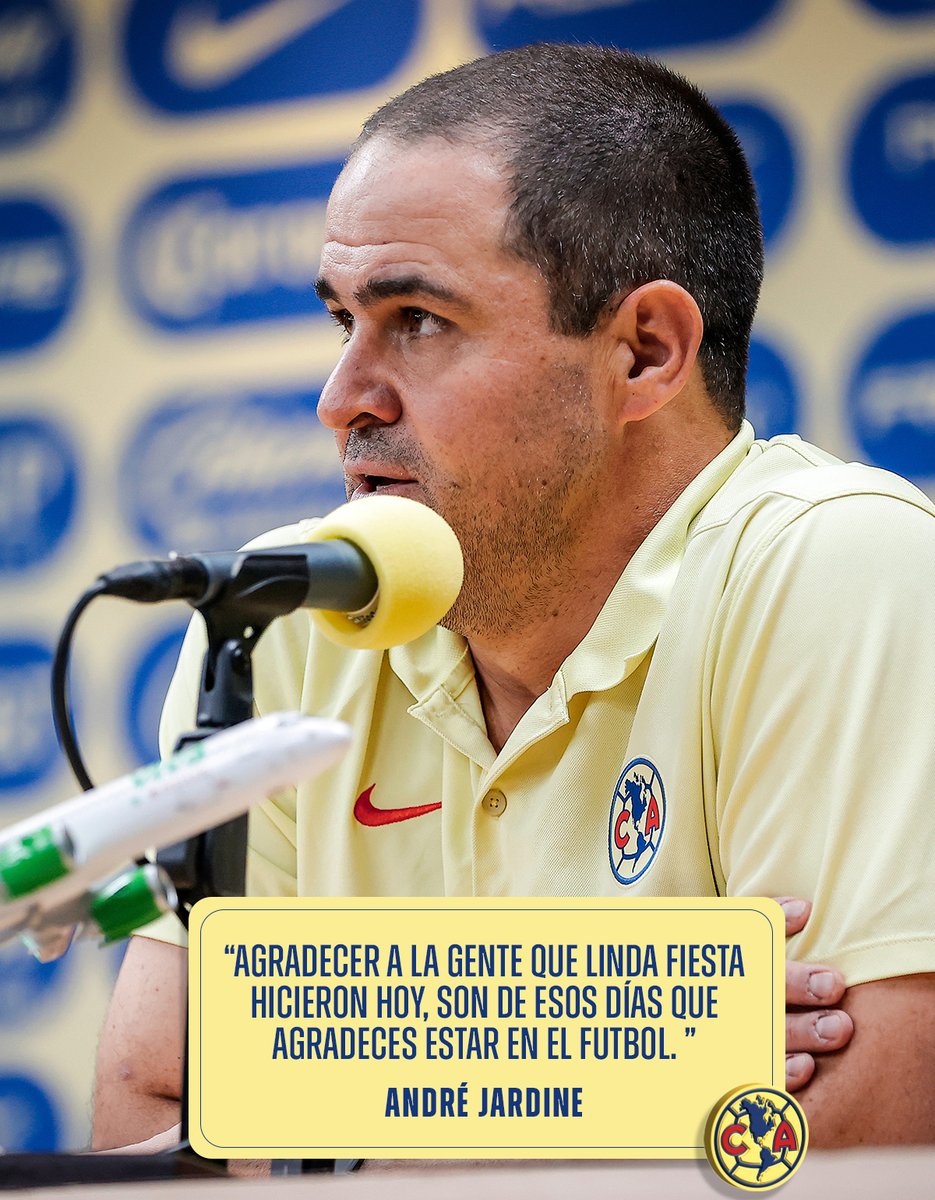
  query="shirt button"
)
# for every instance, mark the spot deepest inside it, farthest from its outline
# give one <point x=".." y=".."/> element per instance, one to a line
<point x="494" y="803"/>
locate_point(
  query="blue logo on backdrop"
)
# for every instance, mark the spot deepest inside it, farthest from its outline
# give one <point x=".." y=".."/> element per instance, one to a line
<point x="892" y="166"/>
<point x="210" y="473"/>
<point x="218" y="250"/>
<point x="192" y="56"/>
<point x="37" y="67"/>
<point x="38" y="273"/>
<point x="772" y="395"/>
<point x="26" y="984"/>
<point x="149" y="683"/>
<point x="903" y="8"/>
<point x="28" y="749"/>
<point x="37" y="490"/>
<point x="29" y="1117"/>
<point x="768" y="148"/>
<point x="892" y="397"/>
<point x="636" y="24"/>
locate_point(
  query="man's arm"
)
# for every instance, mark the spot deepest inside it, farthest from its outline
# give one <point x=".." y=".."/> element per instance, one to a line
<point x="138" y="1082"/>
<point x="813" y="1024"/>
<point x="883" y="1090"/>
<point x="825" y="772"/>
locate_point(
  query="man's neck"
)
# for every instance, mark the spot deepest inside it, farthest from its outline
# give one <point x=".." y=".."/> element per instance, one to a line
<point x="515" y="669"/>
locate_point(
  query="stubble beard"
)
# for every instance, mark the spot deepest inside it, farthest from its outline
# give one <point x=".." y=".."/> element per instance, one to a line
<point x="515" y="533"/>
<point x="513" y="561"/>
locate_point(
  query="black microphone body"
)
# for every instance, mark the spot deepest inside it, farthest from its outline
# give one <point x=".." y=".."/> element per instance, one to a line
<point x="373" y="574"/>
<point x="334" y="575"/>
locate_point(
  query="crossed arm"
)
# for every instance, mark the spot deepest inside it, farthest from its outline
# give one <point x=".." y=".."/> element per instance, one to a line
<point x="138" y="1080"/>
<point x="881" y="1089"/>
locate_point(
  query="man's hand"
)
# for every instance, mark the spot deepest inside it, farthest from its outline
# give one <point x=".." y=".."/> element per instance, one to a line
<point x="812" y="1026"/>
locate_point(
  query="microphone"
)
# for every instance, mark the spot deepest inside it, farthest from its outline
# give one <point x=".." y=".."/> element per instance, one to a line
<point x="52" y="863"/>
<point x="376" y="572"/>
<point x="336" y="575"/>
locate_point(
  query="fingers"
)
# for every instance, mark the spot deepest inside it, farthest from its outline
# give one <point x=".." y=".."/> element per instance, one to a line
<point x="817" y="1032"/>
<point x="796" y="912"/>
<point x="799" y="1070"/>
<point x="811" y="985"/>
<point x="812" y="1033"/>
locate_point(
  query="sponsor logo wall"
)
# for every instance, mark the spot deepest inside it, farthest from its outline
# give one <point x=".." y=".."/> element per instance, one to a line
<point x="164" y="166"/>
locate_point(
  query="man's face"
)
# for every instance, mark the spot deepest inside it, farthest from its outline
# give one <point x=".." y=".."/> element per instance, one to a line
<point x="451" y="388"/>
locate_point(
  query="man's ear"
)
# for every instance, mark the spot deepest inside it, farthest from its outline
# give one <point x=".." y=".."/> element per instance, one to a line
<point x="655" y="334"/>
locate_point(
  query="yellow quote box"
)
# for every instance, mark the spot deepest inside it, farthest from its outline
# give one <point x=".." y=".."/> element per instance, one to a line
<point x="546" y="1028"/>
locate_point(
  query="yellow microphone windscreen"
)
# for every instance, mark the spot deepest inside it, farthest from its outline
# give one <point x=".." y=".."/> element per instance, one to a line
<point x="417" y="560"/>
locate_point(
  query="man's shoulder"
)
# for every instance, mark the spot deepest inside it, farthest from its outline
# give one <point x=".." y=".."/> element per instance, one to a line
<point x="790" y="511"/>
<point x="787" y="477"/>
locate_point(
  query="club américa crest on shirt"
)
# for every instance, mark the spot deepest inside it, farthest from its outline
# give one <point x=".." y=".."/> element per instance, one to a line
<point x="637" y="820"/>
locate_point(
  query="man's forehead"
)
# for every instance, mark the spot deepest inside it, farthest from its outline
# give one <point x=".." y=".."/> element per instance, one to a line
<point x="428" y="210"/>
<point x="417" y="184"/>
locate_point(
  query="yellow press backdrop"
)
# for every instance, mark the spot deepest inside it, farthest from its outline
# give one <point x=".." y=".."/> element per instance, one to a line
<point x="163" y="171"/>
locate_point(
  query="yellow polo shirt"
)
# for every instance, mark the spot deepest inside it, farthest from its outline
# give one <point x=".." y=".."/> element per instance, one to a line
<point x="752" y="712"/>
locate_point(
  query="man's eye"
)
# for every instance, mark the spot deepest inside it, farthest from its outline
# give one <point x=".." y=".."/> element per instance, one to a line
<point x="344" y="321"/>
<point x="417" y="320"/>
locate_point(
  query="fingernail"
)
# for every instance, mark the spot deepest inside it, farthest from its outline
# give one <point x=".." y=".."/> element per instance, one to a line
<point x="821" y="984"/>
<point x="829" y="1027"/>
<point x="796" y="1064"/>
<point x="793" y="908"/>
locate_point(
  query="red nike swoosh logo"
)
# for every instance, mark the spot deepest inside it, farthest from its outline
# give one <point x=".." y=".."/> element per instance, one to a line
<point x="367" y="814"/>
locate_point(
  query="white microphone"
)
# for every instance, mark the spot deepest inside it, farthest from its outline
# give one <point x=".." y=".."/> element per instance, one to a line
<point x="52" y="863"/>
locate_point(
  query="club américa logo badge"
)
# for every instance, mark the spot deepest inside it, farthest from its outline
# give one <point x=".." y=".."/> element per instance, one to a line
<point x="756" y="1137"/>
<point x="637" y="820"/>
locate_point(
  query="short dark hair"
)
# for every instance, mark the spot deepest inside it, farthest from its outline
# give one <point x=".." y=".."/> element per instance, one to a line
<point x="621" y="172"/>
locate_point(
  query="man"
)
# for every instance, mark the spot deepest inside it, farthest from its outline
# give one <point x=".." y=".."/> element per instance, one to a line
<point x="546" y="265"/>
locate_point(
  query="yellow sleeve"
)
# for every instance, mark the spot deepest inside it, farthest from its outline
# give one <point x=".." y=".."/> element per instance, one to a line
<point x="823" y="706"/>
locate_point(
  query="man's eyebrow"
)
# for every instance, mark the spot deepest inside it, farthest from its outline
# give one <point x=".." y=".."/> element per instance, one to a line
<point x="324" y="290"/>
<point x="375" y="290"/>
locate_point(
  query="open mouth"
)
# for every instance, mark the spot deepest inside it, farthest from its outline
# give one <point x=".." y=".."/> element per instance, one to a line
<point x="368" y="485"/>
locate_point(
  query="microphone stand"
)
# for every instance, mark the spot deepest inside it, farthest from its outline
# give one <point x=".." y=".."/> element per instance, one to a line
<point x="213" y="863"/>
<point x="236" y="613"/>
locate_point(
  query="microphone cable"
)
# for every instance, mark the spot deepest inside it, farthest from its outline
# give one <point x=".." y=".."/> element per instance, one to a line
<point x="62" y="715"/>
<point x="388" y="546"/>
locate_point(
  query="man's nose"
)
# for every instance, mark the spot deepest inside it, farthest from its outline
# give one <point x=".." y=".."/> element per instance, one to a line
<point x="358" y="393"/>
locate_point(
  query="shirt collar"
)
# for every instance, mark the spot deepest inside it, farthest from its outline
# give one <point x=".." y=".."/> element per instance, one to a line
<point x="625" y="628"/>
